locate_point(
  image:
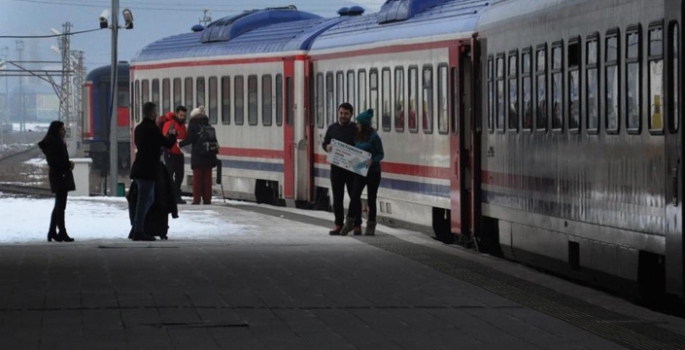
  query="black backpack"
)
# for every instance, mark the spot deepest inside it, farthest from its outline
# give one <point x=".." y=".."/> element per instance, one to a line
<point x="207" y="140"/>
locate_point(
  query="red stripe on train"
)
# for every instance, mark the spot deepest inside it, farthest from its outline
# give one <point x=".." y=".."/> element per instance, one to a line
<point x="251" y="152"/>
<point x="403" y="169"/>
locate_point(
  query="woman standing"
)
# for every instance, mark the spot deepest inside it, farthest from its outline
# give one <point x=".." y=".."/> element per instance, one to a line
<point x="368" y="140"/>
<point x="61" y="178"/>
<point x="202" y="160"/>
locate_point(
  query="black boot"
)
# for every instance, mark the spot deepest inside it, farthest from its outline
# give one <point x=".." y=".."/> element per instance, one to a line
<point x="53" y="235"/>
<point x="64" y="237"/>
<point x="142" y="236"/>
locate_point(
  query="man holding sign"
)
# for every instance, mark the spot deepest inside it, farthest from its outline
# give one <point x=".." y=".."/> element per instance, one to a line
<point x="344" y="131"/>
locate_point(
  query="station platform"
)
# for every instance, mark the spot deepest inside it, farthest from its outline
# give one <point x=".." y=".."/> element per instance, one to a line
<point x="281" y="282"/>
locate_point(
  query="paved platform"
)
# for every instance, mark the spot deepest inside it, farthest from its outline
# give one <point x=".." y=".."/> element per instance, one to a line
<point x="282" y="283"/>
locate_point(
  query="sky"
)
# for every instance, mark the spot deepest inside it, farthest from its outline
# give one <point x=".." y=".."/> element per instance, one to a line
<point x="153" y="20"/>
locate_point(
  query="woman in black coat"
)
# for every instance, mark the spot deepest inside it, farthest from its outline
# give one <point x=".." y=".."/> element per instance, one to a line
<point x="61" y="178"/>
<point x="201" y="162"/>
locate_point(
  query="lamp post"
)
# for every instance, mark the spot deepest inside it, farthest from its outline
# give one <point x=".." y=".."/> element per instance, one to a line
<point x="22" y="111"/>
<point x="113" y="134"/>
<point x="5" y="110"/>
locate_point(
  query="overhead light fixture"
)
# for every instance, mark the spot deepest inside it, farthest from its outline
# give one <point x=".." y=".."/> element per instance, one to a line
<point x="55" y="31"/>
<point x="55" y="49"/>
<point x="103" y="19"/>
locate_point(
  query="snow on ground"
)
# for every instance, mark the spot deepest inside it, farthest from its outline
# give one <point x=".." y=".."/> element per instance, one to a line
<point x="101" y="218"/>
<point x="37" y="162"/>
<point x="31" y="126"/>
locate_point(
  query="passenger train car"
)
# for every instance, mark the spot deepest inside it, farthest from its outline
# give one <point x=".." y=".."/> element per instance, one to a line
<point x="546" y="130"/>
<point x="97" y="92"/>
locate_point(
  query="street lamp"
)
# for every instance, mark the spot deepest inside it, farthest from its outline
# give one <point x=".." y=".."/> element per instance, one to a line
<point x="113" y="141"/>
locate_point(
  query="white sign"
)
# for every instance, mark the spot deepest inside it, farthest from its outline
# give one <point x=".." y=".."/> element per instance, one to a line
<point x="349" y="157"/>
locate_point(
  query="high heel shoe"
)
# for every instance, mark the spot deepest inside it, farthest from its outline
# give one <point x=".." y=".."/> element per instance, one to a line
<point x="53" y="235"/>
<point x="64" y="237"/>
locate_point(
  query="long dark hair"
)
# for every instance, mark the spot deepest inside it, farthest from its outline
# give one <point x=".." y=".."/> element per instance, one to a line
<point x="53" y="130"/>
<point x="364" y="134"/>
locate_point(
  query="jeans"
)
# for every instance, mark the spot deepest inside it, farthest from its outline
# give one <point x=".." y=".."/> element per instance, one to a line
<point x="339" y="179"/>
<point x="373" y="180"/>
<point x="175" y="163"/>
<point x="146" y="196"/>
<point x="57" y="218"/>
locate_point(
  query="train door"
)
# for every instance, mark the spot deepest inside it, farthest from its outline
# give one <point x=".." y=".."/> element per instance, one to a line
<point x="288" y="131"/>
<point x="459" y="92"/>
<point x="675" y="266"/>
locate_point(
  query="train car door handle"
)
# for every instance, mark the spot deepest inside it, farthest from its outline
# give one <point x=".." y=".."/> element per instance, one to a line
<point x="675" y="187"/>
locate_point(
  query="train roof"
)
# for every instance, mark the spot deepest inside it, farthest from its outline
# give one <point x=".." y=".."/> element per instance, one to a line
<point x="104" y="72"/>
<point x="508" y="10"/>
<point x="253" y="32"/>
<point x="405" y="19"/>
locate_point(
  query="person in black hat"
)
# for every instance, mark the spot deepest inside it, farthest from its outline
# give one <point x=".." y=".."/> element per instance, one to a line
<point x="368" y="140"/>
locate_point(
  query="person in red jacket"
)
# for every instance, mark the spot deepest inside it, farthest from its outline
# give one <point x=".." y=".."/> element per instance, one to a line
<point x="173" y="158"/>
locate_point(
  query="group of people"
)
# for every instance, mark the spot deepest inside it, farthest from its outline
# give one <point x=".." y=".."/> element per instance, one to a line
<point x="359" y="134"/>
<point x="162" y="139"/>
<point x="151" y="142"/>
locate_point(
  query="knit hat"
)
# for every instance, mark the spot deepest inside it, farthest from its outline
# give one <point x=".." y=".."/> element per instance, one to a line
<point x="198" y="111"/>
<point x="365" y="117"/>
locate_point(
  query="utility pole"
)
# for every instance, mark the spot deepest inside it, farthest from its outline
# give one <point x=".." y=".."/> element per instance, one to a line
<point x="22" y="109"/>
<point x="66" y="92"/>
<point x="6" y="99"/>
<point x="113" y="137"/>
<point x="79" y="79"/>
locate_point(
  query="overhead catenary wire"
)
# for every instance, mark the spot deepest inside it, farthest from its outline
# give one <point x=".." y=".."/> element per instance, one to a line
<point x="47" y="36"/>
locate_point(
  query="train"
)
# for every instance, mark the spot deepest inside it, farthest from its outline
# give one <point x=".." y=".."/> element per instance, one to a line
<point x="547" y="132"/>
<point x="97" y="97"/>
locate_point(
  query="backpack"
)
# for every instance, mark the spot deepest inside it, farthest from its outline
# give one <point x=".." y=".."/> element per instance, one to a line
<point x="208" y="141"/>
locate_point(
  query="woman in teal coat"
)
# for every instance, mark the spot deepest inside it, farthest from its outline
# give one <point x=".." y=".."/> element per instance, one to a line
<point x="368" y="140"/>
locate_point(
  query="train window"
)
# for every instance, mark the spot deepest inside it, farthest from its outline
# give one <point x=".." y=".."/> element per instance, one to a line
<point x="557" y="87"/>
<point x="146" y="91"/>
<point x="155" y="95"/>
<point x="319" y="102"/>
<point x="399" y="99"/>
<point x="123" y="101"/>
<point x="443" y="108"/>
<point x="239" y="91"/>
<point x="252" y="100"/>
<point x="656" y="78"/>
<point x="373" y="94"/>
<point x="674" y="77"/>
<point x="137" y="101"/>
<point x="633" y="72"/>
<point x="340" y="91"/>
<point x="279" y="99"/>
<point x="541" y="117"/>
<point x="574" y="59"/>
<point x="427" y="100"/>
<point x="350" y="88"/>
<point x="178" y="97"/>
<point x="189" y="93"/>
<point x="500" y="92"/>
<point x="361" y="98"/>
<point x="612" y="103"/>
<point x="289" y="109"/>
<point x="200" y="96"/>
<point x="331" y="111"/>
<point x="491" y="94"/>
<point x="166" y="95"/>
<point x="413" y="98"/>
<point x="226" y="100"/>
<point x="527" y="87"/>
<point x="387" y="99"/>
<point x="213" y="100"/>
<point x="592" y="83"/>
<point x="513" y="105"/>
<point x="267" y="90"/>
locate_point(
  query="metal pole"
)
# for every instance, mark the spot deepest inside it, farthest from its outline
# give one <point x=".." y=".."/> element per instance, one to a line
<point x="22" y="110"/>
<point x="113" y="141"/>
<point x="6" y="100"/>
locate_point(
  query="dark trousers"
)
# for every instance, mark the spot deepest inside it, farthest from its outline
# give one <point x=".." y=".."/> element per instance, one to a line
<point x="339" y="179"/>
<point x="176" y="165"/>
<point x="202" y="185"/>
<point x="373" y="180"/>
<point x="57" y="218"/>
<point x="146" y="197"/>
